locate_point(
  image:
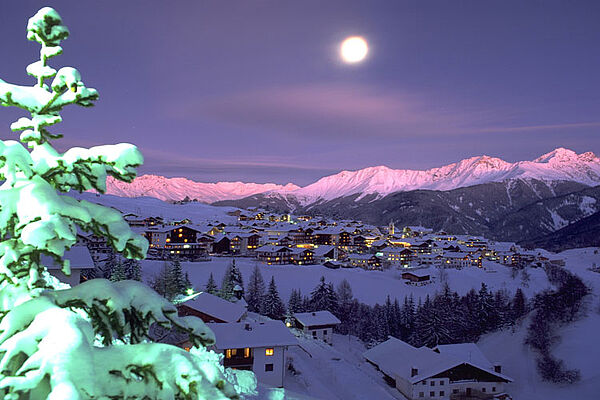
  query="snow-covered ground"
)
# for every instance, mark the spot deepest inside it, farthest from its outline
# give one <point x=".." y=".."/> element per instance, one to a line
<point x="368" y="286"/>
<point x="578" y="346"/>
<point x="336" y="372"/>
<point x="151" y="207"/>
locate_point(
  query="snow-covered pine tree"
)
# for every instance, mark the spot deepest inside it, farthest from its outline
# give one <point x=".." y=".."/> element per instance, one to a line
<point x="256" y="291"/>
<point x="178" y="278"/>
<point x="211" y="285"/>
<point x="232" y="277"/>
<point x="118" y="272"/>
<point x="69" y="344"/>
<point x="518" y="305"/>
<point x="108" y="265"/>
<point x="295" y="304"/>
<point x="273" y="306"/>
<point x="323" y="297"/>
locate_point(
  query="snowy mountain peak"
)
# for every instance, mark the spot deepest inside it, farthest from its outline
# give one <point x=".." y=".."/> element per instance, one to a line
<point x="170" y="189"/>
<point x="558" y="165"/>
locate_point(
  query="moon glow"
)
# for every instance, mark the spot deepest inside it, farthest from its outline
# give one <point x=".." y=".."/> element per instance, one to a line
<point x="354" y="49"/>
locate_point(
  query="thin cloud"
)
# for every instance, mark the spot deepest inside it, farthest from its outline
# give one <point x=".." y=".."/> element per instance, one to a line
<point x="333" y="109"/>
<point x="526" y="128"/>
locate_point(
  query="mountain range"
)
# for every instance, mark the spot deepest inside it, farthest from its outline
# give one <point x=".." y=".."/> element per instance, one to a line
<point x="375" y="182"/>
<point x="545" y="202"/>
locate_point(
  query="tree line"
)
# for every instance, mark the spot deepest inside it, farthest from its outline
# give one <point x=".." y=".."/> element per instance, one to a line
<point x="551" y="309"/>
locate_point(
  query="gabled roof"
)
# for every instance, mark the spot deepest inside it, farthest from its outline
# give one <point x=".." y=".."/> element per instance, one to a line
<point x="269" y="248"/>
<point x="216" y="307"/>
<point x="317" y="318"/>
<point x="427" y="361"/>
<point x="252" y="334"/>
<point x="322" y="250"/>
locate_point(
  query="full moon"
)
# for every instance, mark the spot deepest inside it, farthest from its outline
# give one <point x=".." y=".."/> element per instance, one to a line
<point x="354" y="49"/>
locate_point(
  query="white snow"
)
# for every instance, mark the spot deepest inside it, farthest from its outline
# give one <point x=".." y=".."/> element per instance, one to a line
<point x="369" y="287"/>
<point x="558" y="165"/>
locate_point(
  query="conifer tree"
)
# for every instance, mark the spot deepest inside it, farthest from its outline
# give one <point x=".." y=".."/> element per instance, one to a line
<point x="118" y="272"/>
<point x="518" y="305"/>
<point x="179" y="283"/>
<point x="256" y="291"/>
<point x="323" y="297"/>
<point x="232" y="277"/>
<point x="295" y="304"/>
<point x="211" y="285"/>
<point x="89" y="341"/>
<point x="273" y="306"/>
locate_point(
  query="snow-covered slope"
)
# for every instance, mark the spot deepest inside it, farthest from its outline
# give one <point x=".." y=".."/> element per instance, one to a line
<point x="169" y="189"/>
<point x="558" y="165"/>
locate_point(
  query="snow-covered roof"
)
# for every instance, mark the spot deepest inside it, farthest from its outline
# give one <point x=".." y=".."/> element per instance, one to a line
<point x="317" y="318"/>
<point x="272" y="249"/>
<point x="252" y="334"/>
<point x="78" y="256"/>
<point x="216" y="307"/>
<point x="322" y="250"/>
<point x="388" y="354"/>
<point x="468" y="352"/>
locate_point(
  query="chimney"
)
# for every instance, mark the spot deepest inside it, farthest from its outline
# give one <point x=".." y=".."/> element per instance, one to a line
<point x="314" y="314"/>
<point x="498" y="368"/>
<point x="414" y="371"/>
<point x="247" y="327"/>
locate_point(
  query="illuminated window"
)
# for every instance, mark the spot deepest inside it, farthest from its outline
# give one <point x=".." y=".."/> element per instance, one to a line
<point x="233" y="352"/>
<point x="168" y="240"/>
<point x="228" y="353"/>
<point x="269" y="352"/>
<point x="246" y="352"/>
<point x="180" y="230"/>
<point x="181" y="234"/>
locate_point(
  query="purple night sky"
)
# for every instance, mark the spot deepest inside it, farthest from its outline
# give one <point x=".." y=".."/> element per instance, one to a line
<point x="255" y="91"/>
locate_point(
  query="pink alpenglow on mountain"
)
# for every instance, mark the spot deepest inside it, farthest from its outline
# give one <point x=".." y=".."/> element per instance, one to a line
<point x="173" y="189"/>
<point x="558" y="165"/>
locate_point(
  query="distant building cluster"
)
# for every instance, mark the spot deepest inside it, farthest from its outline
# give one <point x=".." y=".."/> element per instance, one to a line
<point x="279" y="239"/>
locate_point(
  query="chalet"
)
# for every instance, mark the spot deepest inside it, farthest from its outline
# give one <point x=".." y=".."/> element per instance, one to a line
<point x="398" y="255"/>
<point x="446" y="372"/>
<point x="365" y="261"/>
<point x="460" y="260"/>
<point x="274" y="254"/>
<point x="79" y="258"/>
<point x="318" y="324"/>
<point x="332" y="265"/>
<point x="221" y="244"/>
<point x="97" y="245"/>
<point x="417" y="277"/>
<point x="415" y="231"/>
<point x="211" y="308"/>
<point x="244" y="243"/>
<point x="256" y="346"/>
<point x="300" y="256"/>
<point x="325" y="253"/>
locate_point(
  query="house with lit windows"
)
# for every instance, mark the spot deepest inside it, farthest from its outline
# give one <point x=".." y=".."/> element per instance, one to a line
<point x="318" y="324"/>
<point x="300" y="256"/>
<point x="182" y="241"/>
<point x="256" y="346"/>
<point x="274" y="255"/>
<point x="453" y="371"/>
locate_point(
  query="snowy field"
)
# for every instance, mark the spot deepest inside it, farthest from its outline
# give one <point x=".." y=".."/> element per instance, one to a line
<point x="368" y="286"/>
<point x="151" y="207"/>
<point x="578" y="346"/>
